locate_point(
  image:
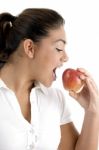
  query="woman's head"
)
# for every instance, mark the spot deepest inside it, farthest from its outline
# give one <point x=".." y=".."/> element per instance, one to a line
<point x="33" y="24"/>
<point x="34" y="39"/>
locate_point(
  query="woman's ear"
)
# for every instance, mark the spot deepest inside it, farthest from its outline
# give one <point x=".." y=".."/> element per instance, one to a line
<point x="29" y="48"/>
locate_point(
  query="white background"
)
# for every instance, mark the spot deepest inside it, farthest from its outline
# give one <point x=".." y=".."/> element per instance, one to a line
<point x="82" y="29"/>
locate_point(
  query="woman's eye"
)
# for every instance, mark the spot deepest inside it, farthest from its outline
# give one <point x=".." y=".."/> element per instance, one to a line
<point x="58" y="49"/>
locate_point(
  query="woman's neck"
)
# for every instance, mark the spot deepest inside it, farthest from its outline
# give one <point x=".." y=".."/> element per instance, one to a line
<point x="16" y="78"/>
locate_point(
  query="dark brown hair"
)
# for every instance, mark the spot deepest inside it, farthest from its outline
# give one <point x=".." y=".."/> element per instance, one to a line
<point x="32" y="23"/>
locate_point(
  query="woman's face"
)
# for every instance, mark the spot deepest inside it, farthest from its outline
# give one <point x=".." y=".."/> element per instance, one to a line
<point x="49" y="55"/>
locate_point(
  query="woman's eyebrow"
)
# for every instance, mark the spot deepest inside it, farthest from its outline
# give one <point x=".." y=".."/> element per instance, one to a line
<point x="60" y="40"/>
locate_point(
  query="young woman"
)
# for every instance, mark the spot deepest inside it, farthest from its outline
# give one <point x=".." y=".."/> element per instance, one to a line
<point x="34" y="116"/>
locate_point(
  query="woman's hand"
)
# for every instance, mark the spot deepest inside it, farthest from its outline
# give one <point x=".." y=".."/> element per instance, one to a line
<point x="89" y="95"/>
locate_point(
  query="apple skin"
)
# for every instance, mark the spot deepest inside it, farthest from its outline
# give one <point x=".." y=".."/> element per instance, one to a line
<point x="71" y="80"/>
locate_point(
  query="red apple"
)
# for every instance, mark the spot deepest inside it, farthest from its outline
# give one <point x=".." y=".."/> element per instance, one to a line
<point x="71" y="80"/>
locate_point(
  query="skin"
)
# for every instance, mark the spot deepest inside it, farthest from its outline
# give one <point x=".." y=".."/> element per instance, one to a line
<point x="40" y="60"/>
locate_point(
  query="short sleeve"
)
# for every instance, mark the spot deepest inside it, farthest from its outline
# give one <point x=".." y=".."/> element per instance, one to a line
<point x="65" y="112"/>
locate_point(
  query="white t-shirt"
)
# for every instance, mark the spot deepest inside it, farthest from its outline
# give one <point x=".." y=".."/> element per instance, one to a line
<point x="49" y="110"/>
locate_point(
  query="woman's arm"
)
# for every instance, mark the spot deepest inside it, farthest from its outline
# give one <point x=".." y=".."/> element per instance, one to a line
<point x="88" y="98"/>
<point x="88" y="139"/>
<point x="69" y="136"/>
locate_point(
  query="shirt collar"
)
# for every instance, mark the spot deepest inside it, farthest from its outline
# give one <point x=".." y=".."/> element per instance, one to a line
<point x="2" y="84"/>
<point x="40" y="86"/>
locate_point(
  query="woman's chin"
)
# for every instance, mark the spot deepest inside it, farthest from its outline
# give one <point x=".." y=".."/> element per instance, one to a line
<point x="47" y="83"/>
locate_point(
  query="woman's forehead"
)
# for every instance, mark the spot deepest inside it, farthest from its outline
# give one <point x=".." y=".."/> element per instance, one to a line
<point x="58" y="35"/>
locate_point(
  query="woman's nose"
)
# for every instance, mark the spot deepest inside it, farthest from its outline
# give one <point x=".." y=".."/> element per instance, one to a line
<point x="65" y="57"/>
